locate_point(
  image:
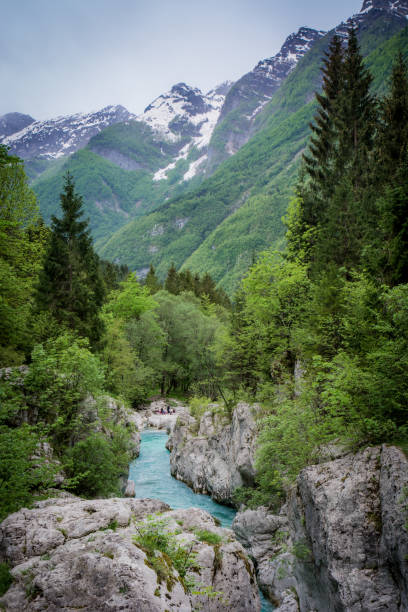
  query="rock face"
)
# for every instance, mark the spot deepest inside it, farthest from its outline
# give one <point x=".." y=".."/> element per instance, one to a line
<point x="264" y="535"/>
<point x="69" y="553"/>
<point x="346" y="536"/>
<point x="215" y="456"/>
<point x="252" y="92"/>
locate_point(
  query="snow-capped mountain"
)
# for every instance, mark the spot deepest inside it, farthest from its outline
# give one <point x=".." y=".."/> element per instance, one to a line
<point x="62" y="136"/>
<point x="12" y="123"/>
<point x="398" y="9"/>
<point x="185" y="114"/>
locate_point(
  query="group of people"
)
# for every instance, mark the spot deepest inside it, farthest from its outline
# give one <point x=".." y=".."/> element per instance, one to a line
<point x="168" y="410"/>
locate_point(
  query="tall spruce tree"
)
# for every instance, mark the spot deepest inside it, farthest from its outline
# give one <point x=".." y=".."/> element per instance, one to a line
<point x="356" y="116"/>
<point x="151" y="281"/>
<point x="318" y="160"/>
<point x="392" y="137"/>
<point x="317" y="179"/>
<point x="387" y="255"/>
<point x="172" y="283"/>
<point x="70" y="285"/>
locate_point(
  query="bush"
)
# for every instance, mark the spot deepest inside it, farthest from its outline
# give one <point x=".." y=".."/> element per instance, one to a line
<point x="95" y="464"/>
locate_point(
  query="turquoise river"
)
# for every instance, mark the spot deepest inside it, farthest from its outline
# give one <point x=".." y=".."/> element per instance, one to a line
<point x="151" y="474"/>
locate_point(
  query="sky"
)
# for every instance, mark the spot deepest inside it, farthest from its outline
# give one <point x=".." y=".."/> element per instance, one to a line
<point x="60" y="57"/>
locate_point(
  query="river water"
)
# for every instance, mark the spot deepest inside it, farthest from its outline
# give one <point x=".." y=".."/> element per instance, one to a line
<point x="151" y="474"/>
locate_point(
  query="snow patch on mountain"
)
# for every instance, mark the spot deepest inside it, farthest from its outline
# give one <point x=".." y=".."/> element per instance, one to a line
<point x="185" y="111"/>
<point x="398" y="8"/>
<point x="192" y="171"/>
<point x="293" y="49"/>
<point x="54" y="138"/>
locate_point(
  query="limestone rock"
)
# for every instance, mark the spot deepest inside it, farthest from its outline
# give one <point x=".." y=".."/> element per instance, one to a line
<point x="130" y="490"/>
<point x="69" y="553"/>
<point x="215" y="456"/>
<point x="266" y="538"/>
<point x="346" y="541"/>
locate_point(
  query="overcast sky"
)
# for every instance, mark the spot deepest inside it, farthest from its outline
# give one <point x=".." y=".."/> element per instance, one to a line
<point x="66" y="56"/>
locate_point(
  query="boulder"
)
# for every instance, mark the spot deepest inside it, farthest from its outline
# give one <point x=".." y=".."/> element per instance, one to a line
<point x="69" y="553"/>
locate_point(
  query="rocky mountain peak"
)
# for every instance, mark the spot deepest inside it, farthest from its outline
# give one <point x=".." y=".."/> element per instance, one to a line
<point x="399" y="7"/>
<point x="293" y="49"/>
<point x="184" y="111"/>
<point x="10" y="123"/>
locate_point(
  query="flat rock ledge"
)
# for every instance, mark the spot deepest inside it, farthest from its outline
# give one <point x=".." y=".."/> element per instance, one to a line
<point x="340" y="544"/>
<point x="69" y="553"/>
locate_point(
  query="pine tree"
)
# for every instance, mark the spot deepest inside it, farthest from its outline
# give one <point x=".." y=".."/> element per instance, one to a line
<point x="318" y="175"/>
<point x="356" y="116"/>
<point x="392" y="138"/>
<point x="319" y="159"/>
<point x="172" y="284"/>
<point x="70" y="286"/>
<point x="151" y="281"/>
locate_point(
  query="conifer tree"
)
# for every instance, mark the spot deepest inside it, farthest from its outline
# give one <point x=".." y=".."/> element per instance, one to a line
<point x="151" y="281"/>
<point x="70" y="286"/>
<point x="172" y="284"/>
<point x="356" y="116"/>
<point x="319" y="159"/>
<point x="392" y="138"/>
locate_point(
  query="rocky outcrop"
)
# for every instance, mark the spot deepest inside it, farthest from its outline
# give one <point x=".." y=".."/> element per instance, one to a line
<point x="346" y="536"/>
<point x="266" y="538"/>
<point x="69" y="553"/>
<point x="215" y="456"/>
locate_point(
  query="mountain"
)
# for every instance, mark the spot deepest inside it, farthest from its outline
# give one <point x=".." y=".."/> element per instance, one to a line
<point x="59" y="137"/>
<point x="250" y="93"/>
<point x="12" y="123"/>
<point x="203" y="179"/>
<point x="185" y="113"/>
<point x="220" y="226"/>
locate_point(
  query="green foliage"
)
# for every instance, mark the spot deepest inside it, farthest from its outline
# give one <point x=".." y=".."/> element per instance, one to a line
<point x="95" y="464"/>
<point x="130" y="300"/>
<point x="20" y="257"/>
<point x="6" y="579"/>
<point x="154" y="537"/>
<point x="20" y="475"/>
<point x="63" y="372"/>
<point x="198" y="406"/>
<point x="70" y="289"/>
<point x="208" y="536"/>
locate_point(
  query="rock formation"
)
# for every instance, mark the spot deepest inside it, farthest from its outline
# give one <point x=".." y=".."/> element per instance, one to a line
<point x="215" y="456"/>
<point x="340" y="543"/>
<point x="69" y="553"/>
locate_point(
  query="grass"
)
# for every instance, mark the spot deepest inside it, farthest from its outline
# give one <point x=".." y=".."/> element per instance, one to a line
<point x="208" y="536"/>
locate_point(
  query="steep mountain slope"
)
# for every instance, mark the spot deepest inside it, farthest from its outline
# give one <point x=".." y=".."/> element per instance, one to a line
<point x="249" y="95"/>
<point x="237" y="211"/>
